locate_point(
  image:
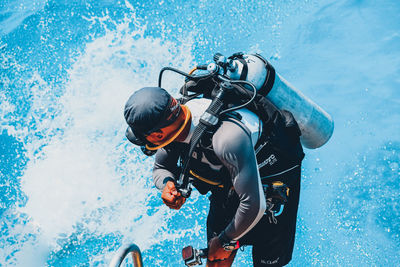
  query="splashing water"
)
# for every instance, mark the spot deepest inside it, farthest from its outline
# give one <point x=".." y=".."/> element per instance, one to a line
<point x="72" y="189"/>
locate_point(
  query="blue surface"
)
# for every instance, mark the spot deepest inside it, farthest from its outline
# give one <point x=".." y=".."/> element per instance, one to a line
<point x="71" y="187"/>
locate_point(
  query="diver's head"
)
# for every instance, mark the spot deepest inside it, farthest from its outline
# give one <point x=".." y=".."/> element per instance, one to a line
<point x="155" y="118"/>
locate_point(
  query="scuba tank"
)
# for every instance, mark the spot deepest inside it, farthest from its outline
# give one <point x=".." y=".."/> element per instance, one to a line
<point x="258" y="79"/>
<point x="315" y="124"/>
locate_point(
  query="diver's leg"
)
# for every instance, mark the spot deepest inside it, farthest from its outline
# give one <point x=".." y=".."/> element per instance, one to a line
<point x="274" y="239"/>
<point x="219" y="216"/>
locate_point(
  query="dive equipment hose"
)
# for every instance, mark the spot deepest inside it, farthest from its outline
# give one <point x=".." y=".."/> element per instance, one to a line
<point x="207" y="120"/>
<point x="211" y="116"/>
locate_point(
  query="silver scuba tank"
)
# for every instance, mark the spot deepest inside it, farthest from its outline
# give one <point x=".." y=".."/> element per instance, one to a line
<point x="316" y="125"/>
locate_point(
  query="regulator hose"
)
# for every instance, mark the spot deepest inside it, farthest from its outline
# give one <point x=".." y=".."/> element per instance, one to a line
<point x="234" y="82"/>
<point x="189" y="76"/>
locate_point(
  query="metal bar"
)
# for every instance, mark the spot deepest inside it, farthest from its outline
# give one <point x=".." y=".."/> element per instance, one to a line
<point x="123" y="251"/>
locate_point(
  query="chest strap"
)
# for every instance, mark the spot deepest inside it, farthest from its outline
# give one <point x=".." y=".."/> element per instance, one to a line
<point x="195" y="175"/>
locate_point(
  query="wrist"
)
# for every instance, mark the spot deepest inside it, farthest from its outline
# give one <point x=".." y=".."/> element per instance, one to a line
<point x="223" y="238"/>
<point x="168" y="179"/>
<point x="227" y="243"/>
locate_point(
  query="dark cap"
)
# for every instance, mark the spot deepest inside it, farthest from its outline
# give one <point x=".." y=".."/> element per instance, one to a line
<point x="150" y="109"/>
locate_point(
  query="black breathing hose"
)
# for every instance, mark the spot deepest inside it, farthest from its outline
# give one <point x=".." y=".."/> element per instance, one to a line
<point x="238" y="82"/>
<point x="192" y="77"/>
<point x="212" y="113"/>
<point x="207" y="120"/>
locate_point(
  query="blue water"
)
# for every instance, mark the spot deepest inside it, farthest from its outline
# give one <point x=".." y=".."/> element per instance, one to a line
<point x="72" y="189"/>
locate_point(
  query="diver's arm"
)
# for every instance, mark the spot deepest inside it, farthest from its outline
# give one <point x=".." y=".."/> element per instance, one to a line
<point x="232" y="144"/>
<point x="165" y="165"/>
<point x="164" y="178"/>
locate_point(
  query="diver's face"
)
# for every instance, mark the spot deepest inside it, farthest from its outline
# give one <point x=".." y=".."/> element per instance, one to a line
<point x="165" y="134"/>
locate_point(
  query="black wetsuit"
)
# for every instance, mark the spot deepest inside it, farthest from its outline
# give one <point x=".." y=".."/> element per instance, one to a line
<point x="238" y="206"/>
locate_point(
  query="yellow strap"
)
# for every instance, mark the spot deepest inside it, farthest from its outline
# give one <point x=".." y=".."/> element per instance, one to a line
<point x="205" y="180"/>
<point x="178" y="132"/>
<point x="193" y="70"/>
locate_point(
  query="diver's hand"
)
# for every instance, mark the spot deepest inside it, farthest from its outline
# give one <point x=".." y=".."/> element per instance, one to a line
<point x="171" y="197"/>
<point x="216" y="251"/>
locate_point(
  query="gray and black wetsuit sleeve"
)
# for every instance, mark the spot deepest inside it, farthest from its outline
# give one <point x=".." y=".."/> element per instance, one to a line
<point x="233" y="145"/>
<point x="165" y="167"/>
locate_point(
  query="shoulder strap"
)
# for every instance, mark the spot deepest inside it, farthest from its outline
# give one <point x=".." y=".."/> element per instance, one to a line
<point x="208" y="120"/>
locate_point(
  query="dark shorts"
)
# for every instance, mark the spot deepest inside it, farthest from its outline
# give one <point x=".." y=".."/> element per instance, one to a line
<point x="272" y="240"/>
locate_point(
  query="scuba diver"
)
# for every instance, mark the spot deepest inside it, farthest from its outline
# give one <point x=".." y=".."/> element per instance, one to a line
<point x="227" y="138"/>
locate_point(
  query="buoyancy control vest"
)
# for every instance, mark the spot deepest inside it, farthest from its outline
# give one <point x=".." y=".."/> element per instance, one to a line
<point x="253" y="80"/>
<point x="276" y="143"/>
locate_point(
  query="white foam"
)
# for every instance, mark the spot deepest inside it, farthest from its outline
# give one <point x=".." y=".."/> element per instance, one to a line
<point x="19" y="11"/>
<point x="82" y="172"/>
<point x="6" y="108"/>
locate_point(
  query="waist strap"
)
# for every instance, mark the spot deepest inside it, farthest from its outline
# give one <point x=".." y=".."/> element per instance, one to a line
<point x="205" y="179"/>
